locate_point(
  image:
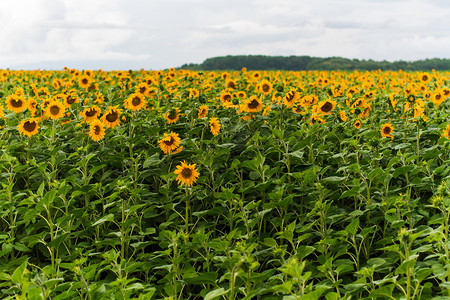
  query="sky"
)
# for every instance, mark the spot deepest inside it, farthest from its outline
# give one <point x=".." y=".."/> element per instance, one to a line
<point x="159" y="34"/>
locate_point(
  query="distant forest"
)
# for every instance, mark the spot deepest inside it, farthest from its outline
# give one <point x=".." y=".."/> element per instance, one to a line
<point x="298" y="63"/>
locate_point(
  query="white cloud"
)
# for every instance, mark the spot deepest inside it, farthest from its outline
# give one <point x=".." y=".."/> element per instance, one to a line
<point x="165" y="33"/>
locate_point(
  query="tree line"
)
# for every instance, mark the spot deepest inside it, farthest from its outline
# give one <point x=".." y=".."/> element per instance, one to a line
<point x="298" y="63"/>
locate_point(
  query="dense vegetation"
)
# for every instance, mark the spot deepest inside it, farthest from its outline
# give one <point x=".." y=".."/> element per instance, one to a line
<point x="299" y="63"/>
<point x="179" y="184"/>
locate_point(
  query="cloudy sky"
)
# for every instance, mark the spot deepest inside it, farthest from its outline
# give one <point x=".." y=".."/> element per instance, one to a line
<point x="159" y="34"/>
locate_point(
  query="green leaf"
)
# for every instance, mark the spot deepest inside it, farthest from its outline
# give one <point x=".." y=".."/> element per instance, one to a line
<point x="352" y="228"/>
<point x="107" y="218"/>
<point x="215" y="293"/>
<point x="153" y="161"/>
<point x="18" y="273"/>
<point x="203" y="278"/>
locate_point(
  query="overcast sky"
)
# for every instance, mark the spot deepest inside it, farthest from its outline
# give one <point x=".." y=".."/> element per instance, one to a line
<point x="159" y="34"/>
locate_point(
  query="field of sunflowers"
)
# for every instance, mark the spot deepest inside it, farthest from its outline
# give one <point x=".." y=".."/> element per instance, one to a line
<point x="179" y="184"/>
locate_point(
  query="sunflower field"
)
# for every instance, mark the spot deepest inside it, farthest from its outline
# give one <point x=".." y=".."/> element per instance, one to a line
<point x="179" y="184"/>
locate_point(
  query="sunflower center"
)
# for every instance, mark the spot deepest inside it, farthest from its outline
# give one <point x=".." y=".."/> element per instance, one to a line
<point x="424" y="78"/>
<point x="227" y="98"/>
<point x="265" y="88"/>
<point x="169" y="142"/>
<point x="16" y="103"/>
<point x="136" y="101"/>
<point x="29" y="126"/>
<point x="91" y="113"/>
<point x="387" y="130"/>
<point x="97" y="129"/>
<point x="186" y="173"/>
<point x="142" y="89"/>
<point x="327" y="107"/>
<point x="172" y="117"/>
<point x="54" y="110"/>
<point x="84" y="81"/>
<point x="438" y="97"/>
<point x="254" y="104"/>
<point x="112" y="117"/>
<point x="70" y="100"/>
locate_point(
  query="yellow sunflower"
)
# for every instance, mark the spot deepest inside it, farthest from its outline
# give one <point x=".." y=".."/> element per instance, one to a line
<point x="193" y="93"/>
<point x="437" y="97"/>
<point x="386" y="130"/>
<point x="290" y="98"/>
<point x="446" y="132"/>
<point x="84" y="81"/>
<point x="135" y="102"/>
<point x="169" y="143"/>
<point x="214" y="125"/>
<point x="425" y="77"/>
<point x="203" y="111"/>
<point x="70" y="99"/>
<point x="96" y="130"/>
<point x="343" y="116"/>
<point x="172" y="116"/>
<point x="16" y="103"/>
<point x="226" y="97"/>
<point x="186" y="174"/>
<point x="253" y="104"/>
<point x="325" y="107"/>
<point x="29" y="127"/>
<point x="55" y="110"/>
<point x="265" y="87"/>
<point x="89" y="114"/>
<point x="357" y="124"/>
<point x="111" y="117"/>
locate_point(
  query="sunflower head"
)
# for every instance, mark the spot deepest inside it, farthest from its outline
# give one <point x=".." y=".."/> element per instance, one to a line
<point x="252" y="105"/>
<point x="55" y="110"/>
<point x="186" y="174"/>
<point x="16" y="103"/>
<point x="111" y="117"/>
<point x="96" y="130"/>
<point x="135" y="102"/>
<point x="29" y="127"/>
<point x="386" y="130"/>
<point x="214" y="125"/>
<point x="170" y="143"/>
<point x="202" y="111"/>
<point x="446" y="132"/>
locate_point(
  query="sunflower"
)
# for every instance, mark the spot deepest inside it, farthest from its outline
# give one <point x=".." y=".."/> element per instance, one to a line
<point x="240" y="94"/>
<point x="357" y="124"/>
<point x="172" y="116"/>
<point x="202" y="111"/>
<point x="111" y="117"/>
<point x="96" y="130"/>
<point x="169" y="143"/>
<point x="316" y="119"/>
<point x="214" y="125"/>
<point x="70" y="99"/>
<point x="290" y="98"/>
<point x="424" y="77"/>
<point x="142" y="88"/>
<point x="386" y="130"/>
<point x="265" y="87"/>
<point x="90" y="113"/>
<point x="437" y="97"/>
<point x="253" y="104"/>
<point x="231" y="84"/>
<point x="225" y="97"/>
<point x="135" y="102"/>
<point x="325" y="107"/>
<point x="446" y="132"/>
<point x="186" y="174"/>
<point x="29" y="127"/>
<point x="84" y="81"/>
<point x="55" y="110"/>
<point x="32" y="105"/>
<point x="343" y="116"/>
<point x="193" y="93"/>
<point x="16" y="104"/>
